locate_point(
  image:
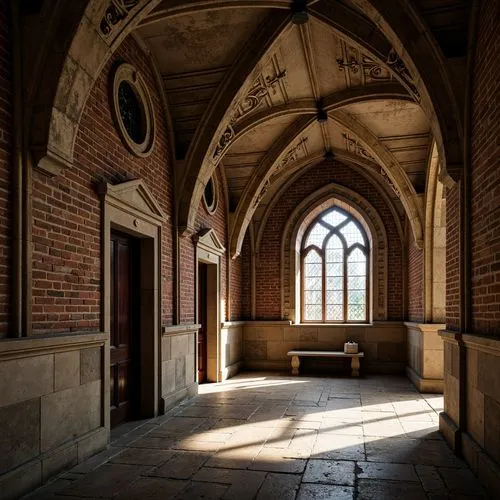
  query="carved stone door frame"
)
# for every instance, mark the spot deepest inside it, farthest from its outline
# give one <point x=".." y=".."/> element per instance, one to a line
<point x="130" y="208"/>
<point x="209" y="250"/>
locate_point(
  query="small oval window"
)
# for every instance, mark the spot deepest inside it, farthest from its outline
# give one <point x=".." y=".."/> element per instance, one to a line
<point x="210" y="196"/>
<point x="132" y="110"/>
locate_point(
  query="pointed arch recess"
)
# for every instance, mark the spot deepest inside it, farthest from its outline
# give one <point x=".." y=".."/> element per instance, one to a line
<point x="304" y="213"/>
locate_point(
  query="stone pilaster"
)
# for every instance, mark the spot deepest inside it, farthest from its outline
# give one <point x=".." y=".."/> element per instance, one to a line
<point x="425" y="358"/>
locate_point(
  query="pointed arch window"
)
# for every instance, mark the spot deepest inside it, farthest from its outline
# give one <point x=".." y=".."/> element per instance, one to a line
<point x="335" y="256"/>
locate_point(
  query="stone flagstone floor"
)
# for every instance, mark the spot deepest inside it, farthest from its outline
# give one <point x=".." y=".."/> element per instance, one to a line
<point x="266" y="436"/>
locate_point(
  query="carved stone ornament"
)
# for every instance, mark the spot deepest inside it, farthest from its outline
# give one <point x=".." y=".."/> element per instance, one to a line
<point x="292" y="155"/>
<point x="383" y="173"/>
<point x="132" y="110"/>
<point x="374" y="70"/>
<point x="260" y="90"/>
<point x="355" y="147"/>
<point x="207" y="240"/>
<point x="116" y="11"/>
<point x="399" y="67"/>
<point x="351" y="64"/>
<point x="224" y="142"/>
<point x="361" y="65"/>
<point x="262" y="193"/>
<point x="371" y="69"/>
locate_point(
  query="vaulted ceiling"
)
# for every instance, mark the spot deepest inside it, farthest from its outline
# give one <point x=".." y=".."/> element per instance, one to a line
<point x="299" y="92"/>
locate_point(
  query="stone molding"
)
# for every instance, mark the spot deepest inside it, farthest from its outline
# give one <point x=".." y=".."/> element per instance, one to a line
<point x="17" y="348"/>
<point x="285" y="322"/>
<point x="394" y="170"/>
<point x="134" y="198"/>
<point x="434" y="269"/>
<point x="232" y="324"/>
<point x="87" y="53"/>
<point x="208" y="241"/>
<point x="482" y="343"/>
<point x="268" y="323"/>
<point x="168" y="331"/>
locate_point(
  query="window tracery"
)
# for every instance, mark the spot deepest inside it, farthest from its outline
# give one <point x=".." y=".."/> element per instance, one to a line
<point x="335" y="256"/>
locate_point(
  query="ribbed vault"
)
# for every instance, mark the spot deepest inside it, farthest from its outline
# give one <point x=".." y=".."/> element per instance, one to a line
<point x="252" y="89"/>
<point x="290" y="94"/>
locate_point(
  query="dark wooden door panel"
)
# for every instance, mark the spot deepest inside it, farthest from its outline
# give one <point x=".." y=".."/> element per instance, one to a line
<point x="123" y="351"/>
<point x="202" y="319"/>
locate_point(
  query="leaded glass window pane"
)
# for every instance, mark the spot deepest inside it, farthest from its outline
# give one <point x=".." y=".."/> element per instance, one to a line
<point x="334" y="279"/>
<point x="352" y="234"/>
<point x="334" y="218"/>
<point x="131" y="112"/>
<point x="317" y="235"/>
<point x="356" y="286"/>
<point x="345" y="296"/>
<point x="313" y="287"/>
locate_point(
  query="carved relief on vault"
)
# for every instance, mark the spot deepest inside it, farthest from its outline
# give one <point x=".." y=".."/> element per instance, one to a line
<point x="399" y="67"/>
<point x="353" y="146"/>
<point x="263" y="191"/>
<point x="292" y="155"/>
<point x="268" y="88"/>
<point x="224" y="142"/>
<point x="359" y="68"/>
<point x="383" y="173"/>
<point x="116" y="12"/>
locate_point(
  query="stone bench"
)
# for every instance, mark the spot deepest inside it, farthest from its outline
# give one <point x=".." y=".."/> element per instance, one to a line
<point x="325" y="354"/>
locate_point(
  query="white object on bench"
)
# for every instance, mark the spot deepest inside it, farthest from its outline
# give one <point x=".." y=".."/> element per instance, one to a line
<point x="351" y="348"/>
<point x="326" y="354"/>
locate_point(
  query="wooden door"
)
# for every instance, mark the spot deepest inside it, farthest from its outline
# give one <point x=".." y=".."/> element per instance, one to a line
<point x="124" y="352"/>
<point x="202" y="320"/>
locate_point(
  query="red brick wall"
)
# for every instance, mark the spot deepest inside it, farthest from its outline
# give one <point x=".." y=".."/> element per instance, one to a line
<point x="217" y="221"/>
<point x="236" y="286"/>
<point x="67" y="214"/>
<point x="240" y="283"/>
<point x="415" y="282"/>
<point x="5" y="163"/>
<point x="268" y="269"/>
<point x="452" y="258"/>
<point x="187" y="274"/>
<point x="246" y="278"/>
<point x="486" y="174"/>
